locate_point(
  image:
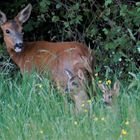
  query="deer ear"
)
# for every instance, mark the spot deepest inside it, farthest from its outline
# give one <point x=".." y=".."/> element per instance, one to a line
<point x="68" y="73"/>
<point x="103" y="88"/>
<point x="3" y="18"/>
<point x="24" y="14"/>
<point x="116" y="87"/>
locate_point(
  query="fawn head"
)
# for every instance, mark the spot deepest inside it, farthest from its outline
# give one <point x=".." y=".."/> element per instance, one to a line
<point x="76" y="88"/>
<point x="110" y="94"/>
<point x="75" y="83"/>
<point x="12" y="29"/>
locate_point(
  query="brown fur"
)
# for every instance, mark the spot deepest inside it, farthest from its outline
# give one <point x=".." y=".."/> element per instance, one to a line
<point x="43" y="55"/>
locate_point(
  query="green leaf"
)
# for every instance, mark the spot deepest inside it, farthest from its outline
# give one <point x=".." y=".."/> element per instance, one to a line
<point x="108" y="2"/>
<point x="131" y="34"/>
<point x="105" y="31"/>
<point x="78" y="19"/>
<point x="55" y="19"/>
<point x="109" y="45"/>
<point x="66" y="24"/>
<point x="59" y="5"/>
<point x="123" y="10"/>
<point x="137" y="3"/>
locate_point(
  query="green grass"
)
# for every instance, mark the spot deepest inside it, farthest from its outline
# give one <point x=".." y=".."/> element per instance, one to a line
<point x="32" y="109"/>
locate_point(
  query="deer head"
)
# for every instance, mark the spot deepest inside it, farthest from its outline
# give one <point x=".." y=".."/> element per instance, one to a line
<point x="110" y="94"/>
<point x="12" y="29"/>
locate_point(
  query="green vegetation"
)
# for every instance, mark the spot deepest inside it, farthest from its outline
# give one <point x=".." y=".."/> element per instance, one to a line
<point x="110" y="27"/>
<point x="31" y="108"/>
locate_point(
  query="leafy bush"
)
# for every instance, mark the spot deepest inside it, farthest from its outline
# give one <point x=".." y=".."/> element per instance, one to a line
<point x="110" y="28"/>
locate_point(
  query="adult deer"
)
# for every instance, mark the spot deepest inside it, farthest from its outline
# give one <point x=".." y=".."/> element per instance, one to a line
<point x="59" y="58"/>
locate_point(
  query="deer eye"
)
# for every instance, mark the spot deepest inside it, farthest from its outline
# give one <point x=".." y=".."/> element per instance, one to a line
<point x="7" y="31"/>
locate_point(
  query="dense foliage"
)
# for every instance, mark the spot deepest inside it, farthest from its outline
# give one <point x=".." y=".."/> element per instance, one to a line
<point x="111" y="28"/>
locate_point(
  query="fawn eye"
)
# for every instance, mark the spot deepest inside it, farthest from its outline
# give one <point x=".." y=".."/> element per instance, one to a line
<point x="110" y="97"/>
<point x="7" y="31"/>
<point x="75" y="84"/>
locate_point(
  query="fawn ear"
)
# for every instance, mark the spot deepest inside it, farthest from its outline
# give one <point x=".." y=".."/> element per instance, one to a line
<point x="70" y="76"/>
<point x="87" y="64"/>
<point x="3" y="18"/>
<point x="68" y="73"/>
<point x="103" y="88"/>
<point x="80" y="74"/>
<point x="24" y="14"/>
<point x="116" y="87"/>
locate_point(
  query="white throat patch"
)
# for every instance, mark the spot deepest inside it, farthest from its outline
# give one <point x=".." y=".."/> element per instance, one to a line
<point x="18" y="49"/>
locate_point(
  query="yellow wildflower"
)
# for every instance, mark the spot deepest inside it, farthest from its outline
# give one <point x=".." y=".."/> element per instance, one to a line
<point x="86" y="110"/>
<point x="99" y="81"/>
<point x="75" y="122"/>
<point x="95" y="119"/>
<point x="124" y="132"/>
<point x="108" y="82"/>
<point x="83" y="105"/>
<point x="89" y="101"/>
<point x="127" y="123"/>
<point x="41" y="131"/>
<point x="102" y="119"/>
<point x="39" y="85"/>
<point x="96" y="74"/>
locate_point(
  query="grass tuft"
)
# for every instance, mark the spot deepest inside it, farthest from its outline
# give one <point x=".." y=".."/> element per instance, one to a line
<point x="32" y="109"/>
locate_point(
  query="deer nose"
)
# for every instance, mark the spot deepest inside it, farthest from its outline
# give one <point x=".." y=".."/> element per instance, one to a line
<point x="19" y="45"/>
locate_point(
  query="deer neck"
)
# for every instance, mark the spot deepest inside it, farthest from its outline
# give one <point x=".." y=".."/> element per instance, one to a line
<point x="23" y="59"/>
<point x="16" y="57"/>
